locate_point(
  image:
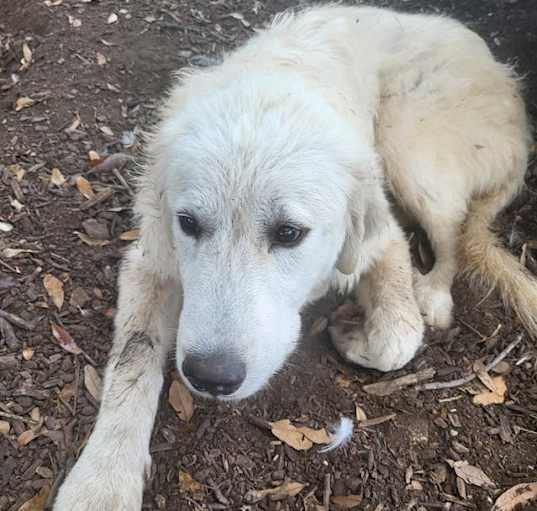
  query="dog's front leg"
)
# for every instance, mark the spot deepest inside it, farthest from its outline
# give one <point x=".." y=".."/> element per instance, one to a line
<point x="110" y="473"/>
<point x="393" y="327"/>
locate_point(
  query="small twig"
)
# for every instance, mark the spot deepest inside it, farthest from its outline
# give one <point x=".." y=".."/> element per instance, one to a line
<point x="473" y="376"/>
<point x="12" y="416"/>
<point x="123" y="181"/>
<point x="327" y="492"/>
<point x="220" y="497"/>
<point x="16" y="320"/>
<point x="100" y="197"/>
<point x="385" y="388"/>
<point x="473" y="329"/>
<point x="259" y="422"/>
<point x="77" y="383"/>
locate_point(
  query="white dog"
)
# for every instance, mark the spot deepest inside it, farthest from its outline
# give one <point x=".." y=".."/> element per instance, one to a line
<point x="266" y="182"/>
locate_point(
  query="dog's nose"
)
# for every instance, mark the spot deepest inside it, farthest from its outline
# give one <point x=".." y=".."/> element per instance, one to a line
<point x="219" y="375"/>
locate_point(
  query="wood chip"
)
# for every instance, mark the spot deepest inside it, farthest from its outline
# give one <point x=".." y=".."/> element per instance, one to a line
<point x="54" y="288"/>
<point x="287" y="489"/>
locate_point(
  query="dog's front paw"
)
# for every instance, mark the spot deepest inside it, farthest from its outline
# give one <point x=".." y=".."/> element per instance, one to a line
<point x="386" y="347"/>
<point x="101" y="486"/>
<point x="435" y="302"/>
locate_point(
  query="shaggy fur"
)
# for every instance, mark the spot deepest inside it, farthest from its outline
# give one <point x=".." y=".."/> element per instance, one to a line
<point x="310" y="123"/>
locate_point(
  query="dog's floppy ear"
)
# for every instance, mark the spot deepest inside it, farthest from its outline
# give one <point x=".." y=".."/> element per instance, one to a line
<point x="368" y="216"/>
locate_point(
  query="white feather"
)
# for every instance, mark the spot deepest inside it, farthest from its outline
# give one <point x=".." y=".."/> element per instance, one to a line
<point x="341" y="435"/>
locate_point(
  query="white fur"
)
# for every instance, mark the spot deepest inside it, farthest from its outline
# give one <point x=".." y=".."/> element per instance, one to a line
<point x="309" y="122"/>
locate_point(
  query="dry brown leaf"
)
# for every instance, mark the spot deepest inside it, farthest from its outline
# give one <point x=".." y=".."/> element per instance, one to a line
<point x="93" y="382"/>
<point x="38" y="502"/>
<point x="94" y="158"/>
<point x="23" y="102"/>
<point x="491" y="398"/>
<point x="470" y="474"/>
<point x="90" y="241"/>
<point x="347" y="501"/>
<point x="286" y="432"/>
<point x="181" y="400"/>
<point x="317" y="436"/>
<point x="101" y="59"/>
<point x="26" y="437"/>
<point x="54" y="288"/>
<point x="484" y="376"/>
<point x="131" y="235"/>
<point x="516" y="496"/>
<point x="56" y="177"/>
<point x="64" y="339"/>
<point x="189" y="485"/>
<point x="360" y="414"/>
<point x="287" y="489"/>
<point x="4" y="427"/>
<point x="84" y="187"/>
<point x="112" y="18"/>
<point x="27" y="353"/>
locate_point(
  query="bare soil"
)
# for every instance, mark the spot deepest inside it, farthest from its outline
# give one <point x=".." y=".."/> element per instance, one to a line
<point x="399" y="464"/>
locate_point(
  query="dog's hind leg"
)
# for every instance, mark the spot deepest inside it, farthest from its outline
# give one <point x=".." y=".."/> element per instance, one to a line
<point x="393" y="328"/>
<point x="109" y="475"/>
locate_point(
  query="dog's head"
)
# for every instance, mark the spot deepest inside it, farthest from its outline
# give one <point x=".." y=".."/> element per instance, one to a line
<point x="257" y="179"/>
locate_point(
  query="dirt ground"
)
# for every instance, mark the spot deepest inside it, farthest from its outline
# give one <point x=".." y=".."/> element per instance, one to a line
<point x="89" y="82"/>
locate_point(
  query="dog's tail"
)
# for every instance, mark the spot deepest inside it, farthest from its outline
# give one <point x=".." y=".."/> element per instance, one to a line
<point x="487" y="262"/>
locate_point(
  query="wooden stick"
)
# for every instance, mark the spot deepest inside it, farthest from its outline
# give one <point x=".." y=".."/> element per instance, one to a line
<point x="473" y="376"/>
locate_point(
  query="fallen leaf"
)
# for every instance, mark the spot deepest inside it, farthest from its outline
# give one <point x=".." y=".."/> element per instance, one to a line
<point x="317" y="436"/>
<point x="470" y="474"/>
<point x="94" y="158"/>
<point x="287" y="489"/>
<point x="112" y="18"/>
<point x="181" y="400"/>
<point x="4" y="427"/>
<point x="84" y="187"/>
<point x="347" y="501"/>
<point x="64" y="339"/>
<point x="516" y="496"/>
<point x="54" y="288"/>
<point x="107" y="131"/>
<point x="189" y="485"/>
<point x="53" y="3"/>
<point x="484" y="376"/>
<point x="26" y="437"/>
<point x="96" y="230"/>
<point x="90" y="241"/>
<point x="360" y="414"/>
<point x="93" y="382"/>
<point x="286" y="432"/>
<point x="491" y="398"/>
<point x="502" y="367"/>
<point x="131" y="235"/>
<point x="23" y="102"/>
<point x="56" y="177"/>
<point x="79" y="297"/>
<point x="27" y="353"/>
<point x="38" y="502"/>
<point x="368" y="423"/>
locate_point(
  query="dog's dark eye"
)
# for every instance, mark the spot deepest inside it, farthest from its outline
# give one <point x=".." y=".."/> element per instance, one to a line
<point x="288" y="235"/>
<point x="189" y="225"/>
